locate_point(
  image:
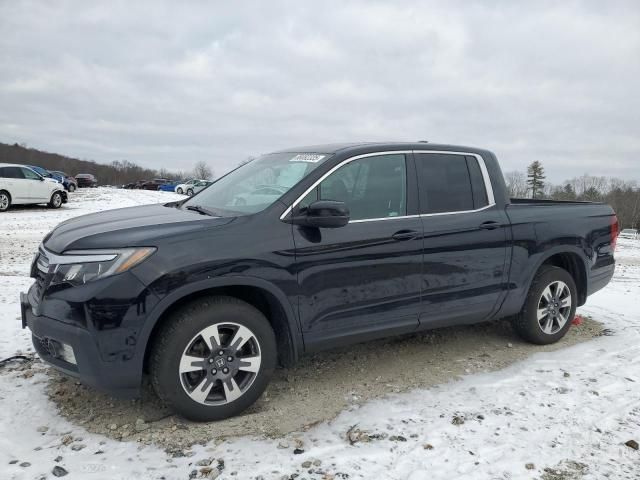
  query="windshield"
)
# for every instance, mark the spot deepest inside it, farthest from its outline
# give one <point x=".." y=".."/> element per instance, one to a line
<point x="254" y="186"/>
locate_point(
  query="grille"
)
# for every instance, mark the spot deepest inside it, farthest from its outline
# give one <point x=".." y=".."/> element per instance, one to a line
<point x="41" y="272"/>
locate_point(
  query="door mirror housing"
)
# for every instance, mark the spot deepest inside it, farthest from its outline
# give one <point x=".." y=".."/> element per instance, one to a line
<point x="323" y="214"/>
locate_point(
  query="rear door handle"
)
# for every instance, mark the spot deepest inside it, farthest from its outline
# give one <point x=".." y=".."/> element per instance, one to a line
<point x="490" y="225"/>
<point x="404" y="235"/>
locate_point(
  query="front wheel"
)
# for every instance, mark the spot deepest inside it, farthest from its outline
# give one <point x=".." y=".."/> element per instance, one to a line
<point x="549" y="308"/>
<point x="213" y="359"/>
<point x="56" y="200"/>
<point x="72" y="187"/>
<point x="180" y="191"/>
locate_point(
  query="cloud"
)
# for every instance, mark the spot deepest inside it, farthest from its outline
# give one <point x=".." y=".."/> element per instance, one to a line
<point x="170" y="84"/>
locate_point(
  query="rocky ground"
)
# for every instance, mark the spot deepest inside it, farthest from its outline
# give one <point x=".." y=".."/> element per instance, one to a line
<point x="316" y="389"/>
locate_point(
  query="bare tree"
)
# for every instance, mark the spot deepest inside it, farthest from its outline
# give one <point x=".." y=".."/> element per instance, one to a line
<point x="202" y="171"/>
<point x="516" y="184"/>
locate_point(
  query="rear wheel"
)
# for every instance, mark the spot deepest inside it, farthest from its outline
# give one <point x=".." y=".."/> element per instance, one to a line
<point x="5" y="201"/>
<point x="72" y="187"/>
<point x="213" y="358"/>
<point x="190" y="192"/>
<point x="56" y="200"/>
<point x="549" y="308"/>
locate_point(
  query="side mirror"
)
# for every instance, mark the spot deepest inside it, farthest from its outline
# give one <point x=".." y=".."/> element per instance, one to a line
<point x="323" y="214"/>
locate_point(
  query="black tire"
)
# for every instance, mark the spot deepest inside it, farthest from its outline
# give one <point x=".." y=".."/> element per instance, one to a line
<point x="72" y="187"/>
<point x="526" y="323"/>
<point x="179" y="190"/>
<point x="177" y="334"/>
<point x="56" y="200"/>
<point x="5" y="200"/>
<point x="190" y="192"/>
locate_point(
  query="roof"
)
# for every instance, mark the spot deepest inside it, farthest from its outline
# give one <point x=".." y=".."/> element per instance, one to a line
<point x="14" y="165"/>
<point x="364" y="147"/>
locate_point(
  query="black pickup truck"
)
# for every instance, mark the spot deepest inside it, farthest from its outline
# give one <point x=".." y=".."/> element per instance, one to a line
<point x="301" y="250"/>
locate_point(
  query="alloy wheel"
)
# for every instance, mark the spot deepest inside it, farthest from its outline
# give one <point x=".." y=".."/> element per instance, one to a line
<point x="4" y="201"/>
<point x="220" y="363"/>
<point x="554" y="307"/>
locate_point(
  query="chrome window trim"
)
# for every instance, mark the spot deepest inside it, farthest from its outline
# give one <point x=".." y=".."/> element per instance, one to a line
<point x="399" y="217"/>
<point x="483" y="169"/>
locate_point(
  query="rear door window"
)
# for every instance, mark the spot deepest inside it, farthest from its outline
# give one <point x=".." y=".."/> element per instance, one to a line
<point x="445" y="183"/>
<point x="11" y="172"/>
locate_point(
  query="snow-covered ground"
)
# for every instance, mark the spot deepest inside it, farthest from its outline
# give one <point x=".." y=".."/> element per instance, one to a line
<point x="558" y="415"/>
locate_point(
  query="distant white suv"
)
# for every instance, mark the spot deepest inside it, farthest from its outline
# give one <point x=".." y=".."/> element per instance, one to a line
<point x="631" y="233"/>
<point x="20" y="185"/>
<point x="183" y="188"/>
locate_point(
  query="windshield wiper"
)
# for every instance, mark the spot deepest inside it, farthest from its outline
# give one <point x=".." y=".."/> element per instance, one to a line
<point x="201" y="210"/>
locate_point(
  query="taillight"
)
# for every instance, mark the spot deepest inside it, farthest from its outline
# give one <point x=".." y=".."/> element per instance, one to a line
<point x="614" y="232"/>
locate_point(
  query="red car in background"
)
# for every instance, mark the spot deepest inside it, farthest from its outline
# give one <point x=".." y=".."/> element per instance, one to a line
<point x="86" y="180"/>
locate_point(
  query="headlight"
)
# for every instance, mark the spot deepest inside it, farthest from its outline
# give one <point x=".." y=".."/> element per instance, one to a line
<point x="80" y="267"/>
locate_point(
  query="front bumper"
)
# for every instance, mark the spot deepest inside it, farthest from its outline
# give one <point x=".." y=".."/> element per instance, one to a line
<point x="53" y="340"/>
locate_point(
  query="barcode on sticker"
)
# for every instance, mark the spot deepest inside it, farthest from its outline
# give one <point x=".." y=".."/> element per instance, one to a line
<point x="307" y="157"/>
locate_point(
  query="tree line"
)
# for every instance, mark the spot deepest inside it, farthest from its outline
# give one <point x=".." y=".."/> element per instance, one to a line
<point x="118" y="172"/>
<point x="622" y="195"/>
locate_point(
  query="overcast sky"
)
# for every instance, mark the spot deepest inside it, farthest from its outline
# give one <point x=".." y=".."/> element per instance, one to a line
<point x="166" y="85"/>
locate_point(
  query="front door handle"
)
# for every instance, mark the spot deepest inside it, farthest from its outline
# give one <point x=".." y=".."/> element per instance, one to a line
<point x="491" y="225"/>
<point x="405" y="235"/>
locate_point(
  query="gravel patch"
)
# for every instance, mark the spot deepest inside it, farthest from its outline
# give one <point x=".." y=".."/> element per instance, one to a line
<point x="316" y="389"/>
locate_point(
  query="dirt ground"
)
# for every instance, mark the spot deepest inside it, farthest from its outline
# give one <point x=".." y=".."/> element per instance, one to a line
<point x="315" y="390"/>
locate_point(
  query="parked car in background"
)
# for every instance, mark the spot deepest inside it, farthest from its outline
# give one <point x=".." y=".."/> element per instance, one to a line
<point x="182" y="188"/>
<point x="168" y="187"/>
<point x="69" y="182"/>
<point x="631" y="233"/>
<point x="43" y="172"/>
<point x="133" y="185"/>
<point x="21" y="185"/>
<point x="366" y="241"/>
<point x="198" y="186"/>
<point x="86" y="180"/>
<point x="153" y="184"/>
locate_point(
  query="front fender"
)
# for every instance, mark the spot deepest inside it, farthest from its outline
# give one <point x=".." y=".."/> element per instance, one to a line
<point x="228" y="281"/>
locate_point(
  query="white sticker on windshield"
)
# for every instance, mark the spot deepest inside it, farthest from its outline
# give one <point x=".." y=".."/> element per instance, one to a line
<point x="307" y="157"/>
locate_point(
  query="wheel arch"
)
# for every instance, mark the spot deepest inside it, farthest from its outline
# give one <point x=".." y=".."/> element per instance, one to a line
<point x="261" y="294"/>
<point x="574" y="263"/>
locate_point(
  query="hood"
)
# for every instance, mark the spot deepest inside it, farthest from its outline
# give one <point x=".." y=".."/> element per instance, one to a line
<point x="127" y="227"/>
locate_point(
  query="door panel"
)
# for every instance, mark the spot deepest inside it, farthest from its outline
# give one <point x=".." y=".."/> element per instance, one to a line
<point x="465" y="242"/>
<point x="464" y="266"/>
<point x="13" y="178"/>
<point x="37" y="189"/>
<point x="358" y="280"/>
